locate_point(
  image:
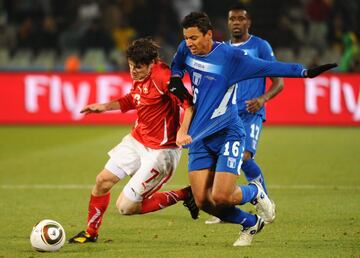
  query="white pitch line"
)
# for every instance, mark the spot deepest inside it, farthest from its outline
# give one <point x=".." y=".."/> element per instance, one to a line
<point x="46" y="186"/>
<point x="331" y="187"/>
<point x="168" y="186"/>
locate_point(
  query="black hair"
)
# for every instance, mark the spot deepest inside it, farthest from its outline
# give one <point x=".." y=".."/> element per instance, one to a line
<point x="143" y="51"/>
<point x="238" y="7"/>
<point x="197" y="19"/>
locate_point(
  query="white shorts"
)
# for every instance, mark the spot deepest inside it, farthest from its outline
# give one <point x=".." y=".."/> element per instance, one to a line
<point x="149" y="168"/>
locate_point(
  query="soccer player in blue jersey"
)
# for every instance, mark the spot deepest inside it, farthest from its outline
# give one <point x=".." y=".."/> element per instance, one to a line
<point x="251" y="94"/>
<point x="216" y="131"/>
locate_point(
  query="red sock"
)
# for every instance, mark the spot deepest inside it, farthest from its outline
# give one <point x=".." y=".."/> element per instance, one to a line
<point x="161" y="200"/>
<point x="97" y="208"/>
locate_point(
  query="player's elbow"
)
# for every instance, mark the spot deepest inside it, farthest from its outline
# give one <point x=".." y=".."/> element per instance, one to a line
<point x="280" y="82"/>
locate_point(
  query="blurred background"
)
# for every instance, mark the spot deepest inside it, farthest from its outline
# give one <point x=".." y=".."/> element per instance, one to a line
<point x="88" y="35"/>
<point x="48" y="166"/>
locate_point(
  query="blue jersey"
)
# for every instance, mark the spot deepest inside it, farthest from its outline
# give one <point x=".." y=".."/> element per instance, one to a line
<point x="253" y="88"/>
<point x="213" y="77"/>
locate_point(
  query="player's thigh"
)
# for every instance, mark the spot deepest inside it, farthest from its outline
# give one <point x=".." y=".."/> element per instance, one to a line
<point x="253" y="128"/>
<point x="157" y="167"/>
<point x="228" y="167"/>
<point x="201" y="166"/>
<point x="127" y="155"/>
<point x="201" y="182"/>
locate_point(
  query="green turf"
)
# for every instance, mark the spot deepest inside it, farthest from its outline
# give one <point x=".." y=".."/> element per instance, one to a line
<point x="312" y="173"/>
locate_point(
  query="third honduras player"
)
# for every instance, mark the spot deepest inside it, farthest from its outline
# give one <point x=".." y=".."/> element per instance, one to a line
<point x="251" y="94"/>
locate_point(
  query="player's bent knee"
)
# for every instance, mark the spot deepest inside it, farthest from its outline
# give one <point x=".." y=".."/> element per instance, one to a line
<point x="102" y="184"/>
<point x="221" y="199"/>
<point x="105" y="180"/>
<point x="126" y="207"/>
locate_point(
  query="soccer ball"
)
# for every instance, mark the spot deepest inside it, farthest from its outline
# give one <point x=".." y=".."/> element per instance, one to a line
<point x="47" y="236"/>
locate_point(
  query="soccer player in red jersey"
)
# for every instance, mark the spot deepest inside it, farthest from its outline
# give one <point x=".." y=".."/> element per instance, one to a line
<point x="149" y="154"/>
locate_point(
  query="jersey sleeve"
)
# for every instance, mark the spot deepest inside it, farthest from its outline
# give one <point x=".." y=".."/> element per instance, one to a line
<point x="266" y="52"/>
<point x="126" y="103"/>
<point x="178" y="62"/>
<point x="243" y="67"/>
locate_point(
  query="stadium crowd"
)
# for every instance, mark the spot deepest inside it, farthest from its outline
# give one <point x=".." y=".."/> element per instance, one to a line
<point x="46" y="34"/>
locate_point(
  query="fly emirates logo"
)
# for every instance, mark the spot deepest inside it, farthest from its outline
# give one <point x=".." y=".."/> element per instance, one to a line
<point x="63" y="95"/>
<point x="342" y="96"/>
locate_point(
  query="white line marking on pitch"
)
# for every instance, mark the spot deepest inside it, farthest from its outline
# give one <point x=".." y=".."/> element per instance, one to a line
<point x="169" y="186"/>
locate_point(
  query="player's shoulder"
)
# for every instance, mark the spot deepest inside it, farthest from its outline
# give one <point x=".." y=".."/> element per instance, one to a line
<point x="160" y="66"/>
<point x="223" y="47"/>
<point x="160" y="72"/>
<point x="260" y="41"/>
<point x="182" y="47"/>
<point x="235" y="51"/>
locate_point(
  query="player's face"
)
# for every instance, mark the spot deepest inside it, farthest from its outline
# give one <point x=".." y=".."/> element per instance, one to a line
<point x="139" y="71"/>
<point x="197" y="42"/>
<point x="238" y="23"/>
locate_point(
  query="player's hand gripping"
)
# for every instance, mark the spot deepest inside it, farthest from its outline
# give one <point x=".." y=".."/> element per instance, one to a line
<point x="94" y="108"/>
<point x="177" y="88"/>
<point x="253" y="105"/>
<point x="182" y="138"/>
<point x="313" y="72"/>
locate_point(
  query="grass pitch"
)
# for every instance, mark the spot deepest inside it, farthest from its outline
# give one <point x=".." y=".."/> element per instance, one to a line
<point x="313" y="174"/>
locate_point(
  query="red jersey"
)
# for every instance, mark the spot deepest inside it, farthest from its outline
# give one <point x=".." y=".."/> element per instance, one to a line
<point x="158" y="111"/>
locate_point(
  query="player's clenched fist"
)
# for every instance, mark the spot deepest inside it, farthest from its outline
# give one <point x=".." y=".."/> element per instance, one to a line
<point x="183" y="139"/>
<point x="94" y="108"/>
<point x="254" y="105"/>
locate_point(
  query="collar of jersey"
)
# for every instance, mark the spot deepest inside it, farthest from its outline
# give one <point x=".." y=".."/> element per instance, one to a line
<point x="241" y="43"/>
<point x="215" y="46"/>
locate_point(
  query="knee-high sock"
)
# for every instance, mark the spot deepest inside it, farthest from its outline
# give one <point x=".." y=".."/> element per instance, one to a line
<point x="249" y="193"/>
<point x="237" y="216"/>
<point x="97" y="208"/>
<point x="162" y="200"/>
<point x="253" y="172"/>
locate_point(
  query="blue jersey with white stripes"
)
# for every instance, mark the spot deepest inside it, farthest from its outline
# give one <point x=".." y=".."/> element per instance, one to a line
<point x="213" y="77"/>
<point x="253" y="88"/>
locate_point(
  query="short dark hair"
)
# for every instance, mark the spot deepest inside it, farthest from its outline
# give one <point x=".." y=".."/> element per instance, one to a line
<point x="197" y="19"/>
<point x="143" y="51"/>
<point x="238" y="7"/>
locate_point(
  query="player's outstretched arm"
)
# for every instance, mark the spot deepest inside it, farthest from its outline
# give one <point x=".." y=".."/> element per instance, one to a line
<point x="313" y="72"/>
<point x="100" y="107"/>
<point x="177" y="88"/>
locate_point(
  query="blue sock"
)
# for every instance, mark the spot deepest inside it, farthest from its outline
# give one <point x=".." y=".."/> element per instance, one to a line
<point x="252" y="172"/>
<point x="237" y="216"/>
<point x="249" y="193"/>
